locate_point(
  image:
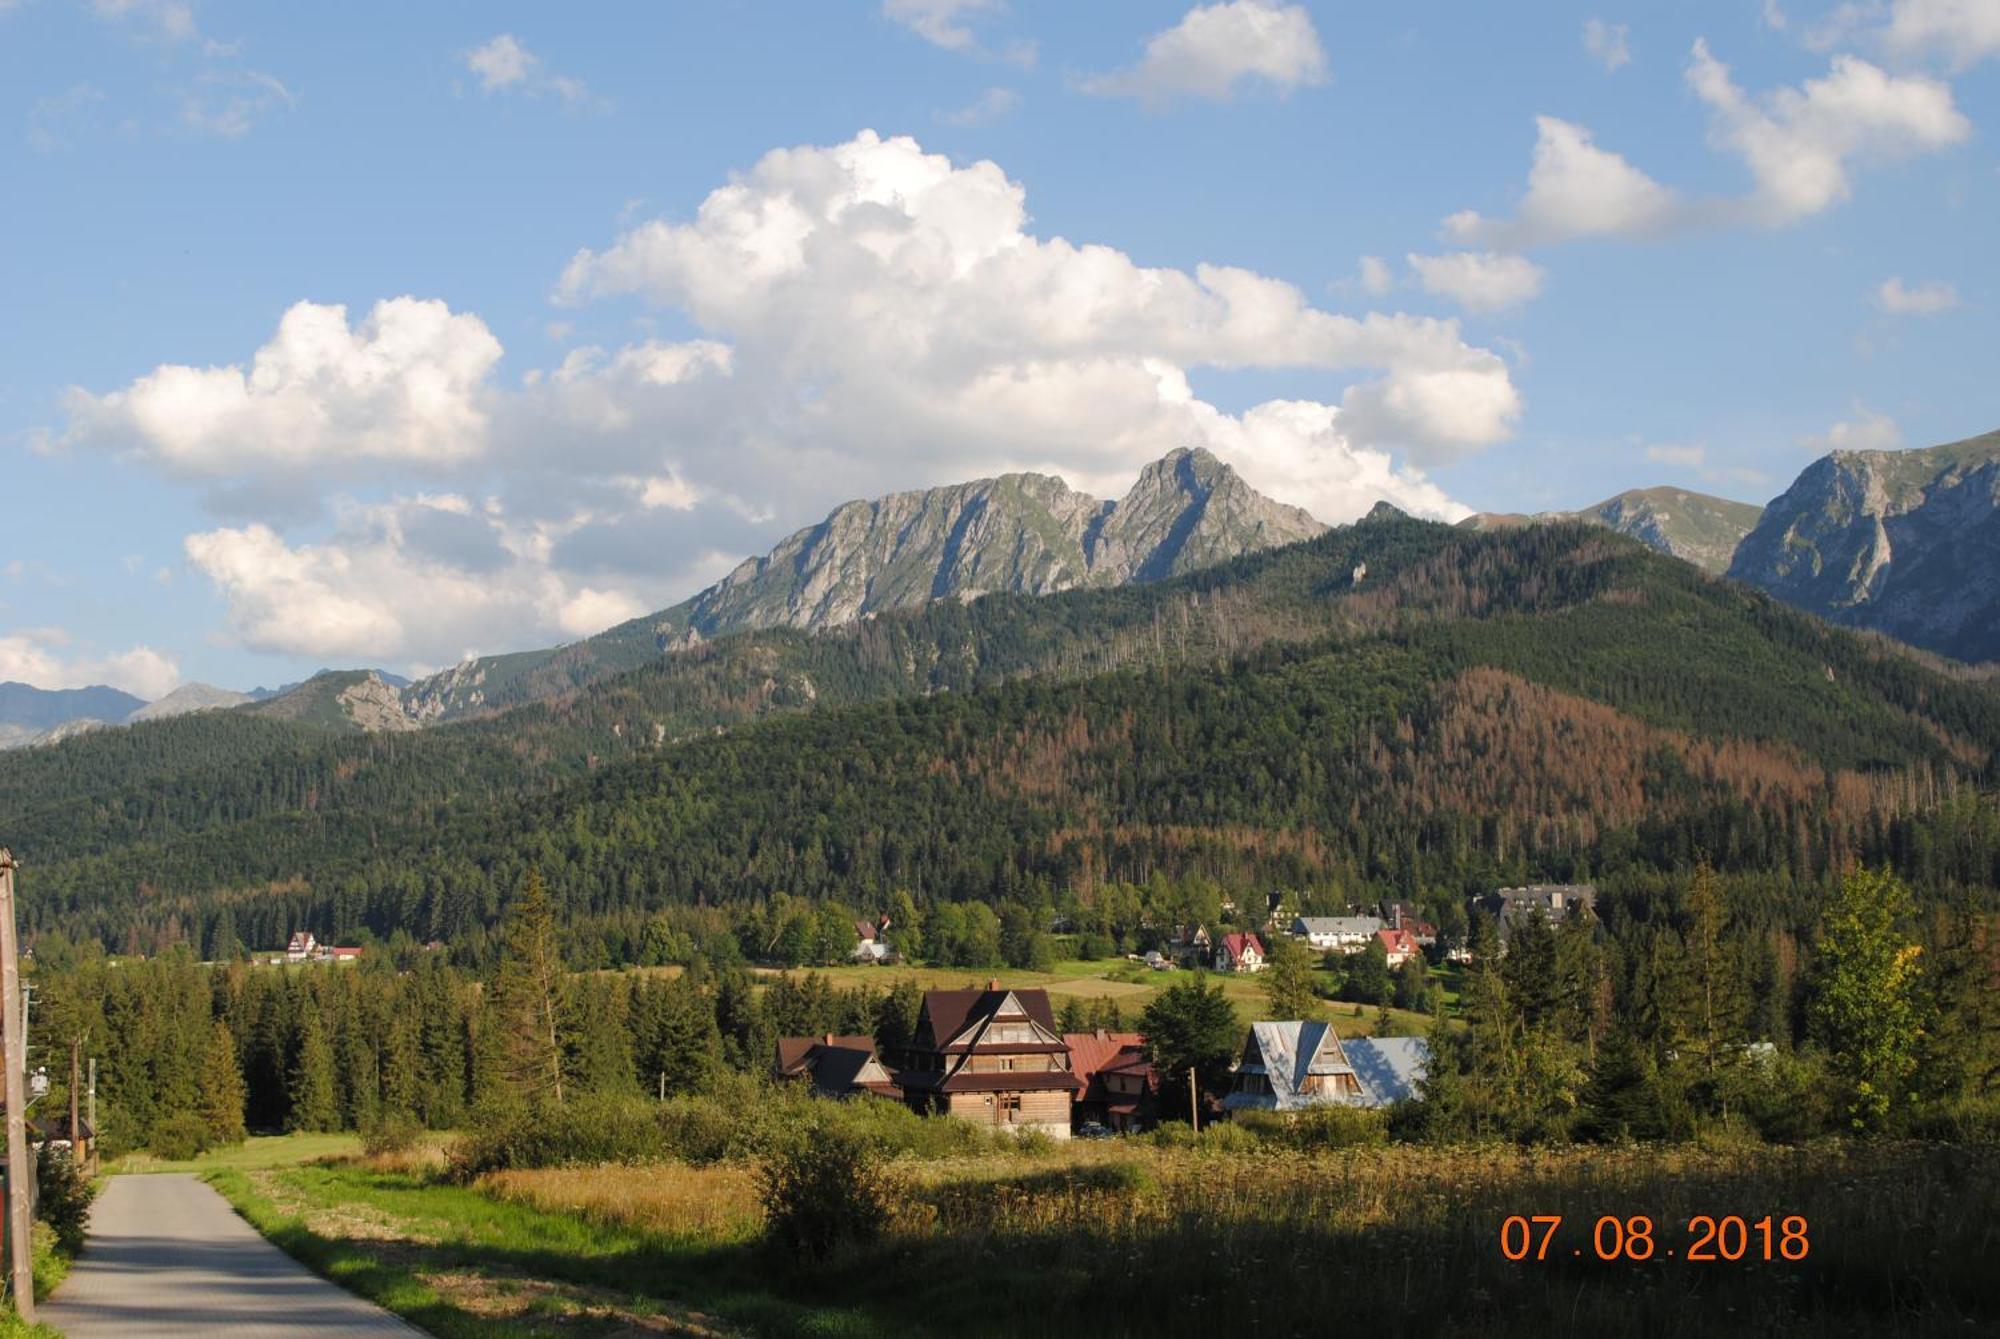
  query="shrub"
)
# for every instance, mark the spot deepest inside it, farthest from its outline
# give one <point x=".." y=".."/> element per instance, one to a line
<point x="824" y="1187"/>
<point x="180" y="1137"/>
<point x="1318" y="1127"/>
<point x="581" y="1133"/>
<point x="64" y="1197"/>
<point x="393" y="1132"/>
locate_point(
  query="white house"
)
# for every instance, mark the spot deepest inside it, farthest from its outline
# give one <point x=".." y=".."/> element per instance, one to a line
<point x="1239" y="953"/>
<point x="302" y="948"/>
<point x="1349" y="934"/>
<point x="1290" y="1066"/>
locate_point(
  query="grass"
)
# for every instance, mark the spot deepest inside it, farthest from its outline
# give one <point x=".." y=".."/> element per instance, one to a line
<point x="256" y="1152"/>
<point x="1083" y="980"/>
<point x="1139" y="1236"/>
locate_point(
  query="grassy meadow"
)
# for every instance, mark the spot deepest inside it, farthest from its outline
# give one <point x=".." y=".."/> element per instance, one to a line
<point x="1228" y="1234"/>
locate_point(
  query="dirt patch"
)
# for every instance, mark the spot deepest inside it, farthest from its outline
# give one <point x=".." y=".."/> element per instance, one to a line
<point x="567" y="1307"/>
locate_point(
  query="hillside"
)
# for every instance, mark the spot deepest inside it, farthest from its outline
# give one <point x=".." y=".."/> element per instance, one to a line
<point x="1020" y="534"/>
<point x="1901" y="542"/>
<point x="1527" y="703"/>
<point x="1702" y="529"/>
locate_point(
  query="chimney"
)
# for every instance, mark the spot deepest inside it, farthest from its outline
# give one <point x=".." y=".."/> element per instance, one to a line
<point x="829" y="1039"/>
<point x="993" y="983"/>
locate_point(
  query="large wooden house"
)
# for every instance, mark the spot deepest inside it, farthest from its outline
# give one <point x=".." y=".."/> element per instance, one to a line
<point x="1289" y="1066"/>
<point x="993" y="1057"/>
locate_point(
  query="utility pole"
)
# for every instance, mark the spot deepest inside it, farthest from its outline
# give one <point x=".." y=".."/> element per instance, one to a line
<point x="21" y="1270"/>
<point x="91" y="1115"/>
<point x="75" y="1138"/>
<point x="1194" y="1099"/>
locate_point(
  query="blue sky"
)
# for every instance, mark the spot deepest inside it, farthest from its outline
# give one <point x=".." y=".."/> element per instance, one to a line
<point x="661" y="283"/>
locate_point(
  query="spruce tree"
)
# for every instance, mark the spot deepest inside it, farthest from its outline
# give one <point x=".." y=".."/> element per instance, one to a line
<point x="314" y="1102"/>
<point x="222" y="1088"/>
<point x="531" y="998"/>
<point x="1288" y="983"/>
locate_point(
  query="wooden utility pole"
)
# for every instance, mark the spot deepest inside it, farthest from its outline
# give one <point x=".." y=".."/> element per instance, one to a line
<point x="19" y="1223"/>
<point x="1194" y="1100"/>
<point x="75" y="1138"/>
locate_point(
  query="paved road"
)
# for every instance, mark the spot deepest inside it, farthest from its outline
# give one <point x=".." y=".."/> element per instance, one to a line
<point x="168" y="1256"/>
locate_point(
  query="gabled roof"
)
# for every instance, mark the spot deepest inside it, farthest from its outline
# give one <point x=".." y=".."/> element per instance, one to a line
<point x="841" y="1070"/>
<point x="1390" y="1068"/>
<point x="950" y="1012"/>
<point x="1090" y="1052"/>
<point x="795" y="1054"/>
<point x="1287" y="1053"/>
<point x="1238" y="943"/>
<point x="1397" y="941"/>
<point x="1358" y="927"/>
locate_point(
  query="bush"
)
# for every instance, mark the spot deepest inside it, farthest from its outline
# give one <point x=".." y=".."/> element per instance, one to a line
<point x="1787" y="1095"/>
<point x="64" y="1198"/>
<point x="824" y="1187"/>
<point x="180" y="1137"/>
<point x="393" y="1132"/>
<point x="581" y="1133"/>
<point x="1318" y="1127"/>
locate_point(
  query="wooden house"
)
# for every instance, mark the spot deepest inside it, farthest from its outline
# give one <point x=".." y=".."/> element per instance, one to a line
<point x="835" y="1066"/>
<point x="993" y="1057"/>
<point x="1292" y="1065"/>
<point x="1120" y="1089"/>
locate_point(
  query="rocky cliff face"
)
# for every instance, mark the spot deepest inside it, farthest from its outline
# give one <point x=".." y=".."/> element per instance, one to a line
<point x="1028" y="534"/>
<point x="1902" y="542"/>
<point x="1696" y="527"/>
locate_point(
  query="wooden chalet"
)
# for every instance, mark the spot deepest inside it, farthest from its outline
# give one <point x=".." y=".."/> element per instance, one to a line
<point x="993" y="1057"/>
<point x="836" y="1066"/>
<point x="1120" y="1089"/>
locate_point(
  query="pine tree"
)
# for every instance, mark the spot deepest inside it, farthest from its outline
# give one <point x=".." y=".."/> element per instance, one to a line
<point x="530" y="996"/>
<point x="1288" y="983"/>
<point x="222" y="1088"/>
<point x="314" y="1105"/>
<point x="1717" y="1026"/>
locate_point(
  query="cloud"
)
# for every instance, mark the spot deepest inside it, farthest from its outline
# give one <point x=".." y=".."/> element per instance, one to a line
<point x="1216" y="48"/>
<point x="943" y="23"/>
<point x="991" y="105"/>
<point x="1375" y="277"/>
<point x="1609" y="44"/>
<point x="42" y="657"/>
<point x="1865" y="431"/>
<point x="1575" y="190"/>
<point x="52" y="120"/>
<point x="1961" y="32"/>
<point x="1929" y="299"/>
<point x="321" y="399"/>
<point x="871" y="317"/>
<point x="1686" y="457"/>
<point x="1800" y="144"/>
<point x="1479" y="281"/>
<point x="227" y="103"/>
<point x="503" y="65"/>
<point x="1772" y="15"/>
<point x="171" y="20"/>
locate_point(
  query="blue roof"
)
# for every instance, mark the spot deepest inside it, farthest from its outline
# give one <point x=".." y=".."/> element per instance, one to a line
<point x="1389" y="1067"/>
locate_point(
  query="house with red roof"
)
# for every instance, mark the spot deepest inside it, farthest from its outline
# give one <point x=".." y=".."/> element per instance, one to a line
<point x="1400" y="945"/>
<point x="992" y="1057"/>
<point x="1242" y="952"/>
<point x="1119" y="1086"/>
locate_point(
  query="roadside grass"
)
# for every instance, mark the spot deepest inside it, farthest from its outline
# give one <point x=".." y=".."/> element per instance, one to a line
<point x="461" y="1263"/>
<point x="1173" y="1237"/>
<point x="256" y="1152"/>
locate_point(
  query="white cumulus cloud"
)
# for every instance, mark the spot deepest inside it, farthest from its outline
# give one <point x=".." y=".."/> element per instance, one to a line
<point x="503" y="65"/>
<point x="1801" y="144"/>
<point x="45" y="658"/>
<point x="1216" y="48"/>
<point x="1479" y="281"/>
<point x="1575" y="190"/>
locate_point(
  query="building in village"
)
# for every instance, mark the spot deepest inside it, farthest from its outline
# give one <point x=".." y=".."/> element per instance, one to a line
<point x="992" y="1057"/>
<point x="1405" y="916"/>
<point x="835" y="1066"/>
<point x="1120" y="1089"/>
<point x="1239" y="952"/>
<point x="1345" y="934"/>
<point x="1191" y="946"/>
<point x="1399" y="945"/>
<point x="1552" y="902"/>
<point x="303" y="947"/>
<point x="1290" y="1066"/>
<point x="871" y="941"/>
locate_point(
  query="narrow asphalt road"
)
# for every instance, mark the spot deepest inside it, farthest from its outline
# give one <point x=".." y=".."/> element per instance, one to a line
<point x="168" y="1256"/>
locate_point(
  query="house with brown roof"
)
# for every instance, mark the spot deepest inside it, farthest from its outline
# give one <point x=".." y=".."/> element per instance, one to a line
<point x="992" y="1057"/>
<point x="1119" y="1086"/>
<point x="871" y="941"/>
<point x="836" y="1066"/>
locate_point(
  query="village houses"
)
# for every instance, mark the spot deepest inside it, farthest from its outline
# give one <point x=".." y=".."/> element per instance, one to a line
<point x="1239" y="952"/>
<point x="993" y="1057"/>
<point x="1343" y="934"/>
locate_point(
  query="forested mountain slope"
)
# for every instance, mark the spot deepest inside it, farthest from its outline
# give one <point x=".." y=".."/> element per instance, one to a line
<point x="1550" y="701"/>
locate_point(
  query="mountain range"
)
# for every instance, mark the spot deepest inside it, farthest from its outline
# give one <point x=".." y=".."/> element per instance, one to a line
<point x="1906" y="543"/>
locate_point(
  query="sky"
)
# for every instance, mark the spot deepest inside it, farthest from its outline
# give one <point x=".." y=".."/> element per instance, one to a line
<point x="387" y="335"/>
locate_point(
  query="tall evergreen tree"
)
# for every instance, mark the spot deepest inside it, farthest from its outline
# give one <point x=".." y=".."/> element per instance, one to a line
<point x="314" y="1100"/>
<point x="222" y="1087"/>
<point x="531" y="998"/>
<point x="1288" y="979"/>
<point x="1864" y="993"/>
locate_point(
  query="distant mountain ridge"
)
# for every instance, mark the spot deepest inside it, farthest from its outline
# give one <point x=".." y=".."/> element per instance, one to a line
<point x="1697" y="527"/>
<point x="1905" y="543"/>
<point x="1023" y="534"/>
